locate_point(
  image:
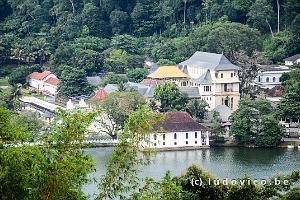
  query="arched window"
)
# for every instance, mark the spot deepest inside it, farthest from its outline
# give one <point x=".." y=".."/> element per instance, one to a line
<point x="259" y="79"/>
<point x="164" y="136"/>
<point x="186" y="135"/>
<point x="231" y="75"/>
<point x="175" y="136"/>
<point x="221" y="75"/>
<point x="274" y="79"/>
<point x="155" y="136"/>
<point x="267" y="79"/>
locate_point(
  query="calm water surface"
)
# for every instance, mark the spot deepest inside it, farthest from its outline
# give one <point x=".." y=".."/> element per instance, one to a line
<point x="227" y="162"/>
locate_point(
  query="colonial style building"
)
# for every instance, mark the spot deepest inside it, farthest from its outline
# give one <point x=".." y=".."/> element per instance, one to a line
<point x="178" y="130"/>
<point x="215" y="77"/>
<point x="269" y="76"/>
<point x="44" y="82"/>
<point x="293" y="60"/>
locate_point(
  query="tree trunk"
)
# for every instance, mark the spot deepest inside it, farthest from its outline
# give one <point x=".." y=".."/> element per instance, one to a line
<point x="270" y="28"/>
<point x="73" y="7"/>
<point x="184" y="10"/>
<point x="278" y="15"/>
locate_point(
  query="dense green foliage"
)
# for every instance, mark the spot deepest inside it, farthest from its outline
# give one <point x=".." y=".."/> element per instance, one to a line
<point x="137" y="75"/>
<point x="197" y="108"/>
<point x="44" y="172"/>
<point x="289" y="106"/>
<point x="119" y="105"/>
<point x="116" y="36"/>
<point x="254" y="122"/>
<point x="74" y="83"/>
<point x="170" y="97"/>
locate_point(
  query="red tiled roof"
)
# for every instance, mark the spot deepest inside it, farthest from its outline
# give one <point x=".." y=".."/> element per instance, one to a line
<point x="52" y="81"/>
<point x="39" y="76"/>
<point x="275" y="91"/>
<point x="100" y="94"/>
<point x="179" y="122"/>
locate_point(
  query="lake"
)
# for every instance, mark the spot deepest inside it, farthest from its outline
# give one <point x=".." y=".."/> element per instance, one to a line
<point x="222" y="162"/>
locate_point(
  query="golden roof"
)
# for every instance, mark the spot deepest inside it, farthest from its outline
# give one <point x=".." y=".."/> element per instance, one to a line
<point x="168" y="72"/>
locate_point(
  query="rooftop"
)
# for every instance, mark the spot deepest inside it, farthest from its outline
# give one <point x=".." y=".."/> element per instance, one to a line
<point x="203" y="79"/>
<point x="168" y="72"/>
<point x="210" y="61"/>
<point x="100" y="94"/>
<point x="52" y="81"/>
<point x="179" y="122"/>
<point x="293" y="58"/>
<point x="268" y="68"/>
<point x="94" y="80"/>
<point x="39" y="76"/>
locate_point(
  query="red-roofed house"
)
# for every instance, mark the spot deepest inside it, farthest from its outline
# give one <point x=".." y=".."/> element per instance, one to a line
<point x="38" y="81"/>
<point x="100" y="94"/>
<point x="51" y="85"/>
<point x="178" y="130"/>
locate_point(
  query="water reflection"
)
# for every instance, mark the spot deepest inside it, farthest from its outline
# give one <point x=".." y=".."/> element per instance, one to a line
<point x="221" y="162"/>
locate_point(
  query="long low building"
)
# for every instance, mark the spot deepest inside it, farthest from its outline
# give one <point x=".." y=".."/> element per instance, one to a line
<point x="177" y="131"/>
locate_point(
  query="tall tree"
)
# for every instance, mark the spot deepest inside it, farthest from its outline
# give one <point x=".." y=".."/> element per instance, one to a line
<point x="170" y="97"/>
<point x="197" y="108"/>
<point x="254" y="122"/>
<point x="73" y="82"/>
<point x="260" y="15"/>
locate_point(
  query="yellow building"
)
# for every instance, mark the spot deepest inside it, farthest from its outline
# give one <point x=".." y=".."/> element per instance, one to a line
<point x="170" y="74"/>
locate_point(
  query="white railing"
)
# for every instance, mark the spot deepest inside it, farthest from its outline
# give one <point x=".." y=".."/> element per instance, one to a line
<point x="42" y="143"/>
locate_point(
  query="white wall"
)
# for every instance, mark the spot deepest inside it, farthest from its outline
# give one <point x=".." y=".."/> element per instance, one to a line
<point x="180" y="141"/>
<point x="50" y="89"/>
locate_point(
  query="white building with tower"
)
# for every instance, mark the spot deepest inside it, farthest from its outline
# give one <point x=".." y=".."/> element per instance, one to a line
<point x="216" y="78"/>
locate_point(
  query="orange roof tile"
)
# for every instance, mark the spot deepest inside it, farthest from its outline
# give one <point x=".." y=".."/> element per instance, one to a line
<point x="100" y="94"/>
<point x="39" y="76"/>
<point x="52" y="81"/>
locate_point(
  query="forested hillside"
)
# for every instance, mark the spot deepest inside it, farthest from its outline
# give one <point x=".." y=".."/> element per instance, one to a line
<point x="116" y="35"/>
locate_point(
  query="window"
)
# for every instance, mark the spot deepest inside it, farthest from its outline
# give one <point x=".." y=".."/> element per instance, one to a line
<point x="154" y="136"/>
<point x="225" y="87"/>
<point x="231" y="105"/>
<point x="155" y="144"/>
<point x="231" y="75"/>
<point x="186" y="135"/>
<point x="164" y="136"/>
<point x="280" y="79"/>
<point x="186" y="142"/>
<point x="195" y="134"/>
<point x="175" y="143"/>
<point x="184" y="84"/>
<point x="216" y="75"/>
<point x="207" y="88"/>
<point x="221" y="75"/>
<point x="175" y="136"/>
<point x="267" y="79"/>
<point x="195" y="142"/>
<point x="164" y="143"/>
<point x="259" y="79"/>
<point x="274" y="79"/>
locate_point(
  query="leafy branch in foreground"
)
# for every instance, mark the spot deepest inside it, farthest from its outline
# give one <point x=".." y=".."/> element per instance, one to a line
<point x="56" y="171"/>
<point x="122" y="168"/>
